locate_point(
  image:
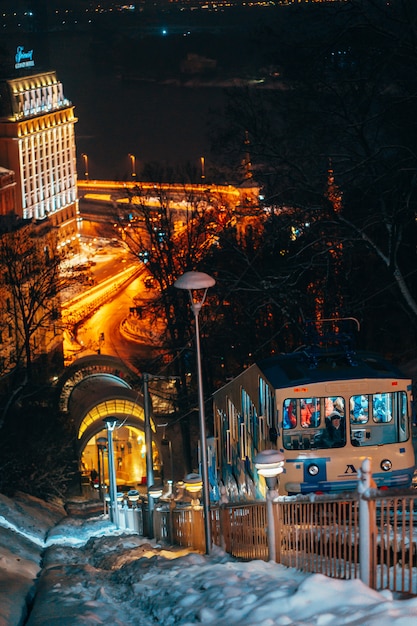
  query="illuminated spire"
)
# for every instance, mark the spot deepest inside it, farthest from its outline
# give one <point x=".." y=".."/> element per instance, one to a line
<point x="247" y="162"/>
<point x="333" y="192"/>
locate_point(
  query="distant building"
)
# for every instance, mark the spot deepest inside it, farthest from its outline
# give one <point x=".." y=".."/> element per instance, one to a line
<point x="196" y="64"/>
<point x="37" y="142"/>
<point x="38" y="203"/>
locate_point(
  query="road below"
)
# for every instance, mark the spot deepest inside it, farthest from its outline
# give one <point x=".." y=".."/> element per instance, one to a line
<point x="94" y="316"/>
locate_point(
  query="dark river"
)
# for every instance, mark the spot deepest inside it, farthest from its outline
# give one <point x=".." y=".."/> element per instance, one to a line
<point x="154" y="122"/>
<point x="152" y="116"/>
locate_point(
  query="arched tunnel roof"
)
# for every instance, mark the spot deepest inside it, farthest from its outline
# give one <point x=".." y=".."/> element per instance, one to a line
<point x="89" y="365"/>
<point x="93" y="389"/>
<point x="96" y="394"/>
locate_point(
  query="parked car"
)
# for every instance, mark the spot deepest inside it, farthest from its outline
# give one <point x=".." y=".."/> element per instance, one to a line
<point x="149" y="282"/>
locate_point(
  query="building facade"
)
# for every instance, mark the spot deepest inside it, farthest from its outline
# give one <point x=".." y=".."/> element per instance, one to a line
<point x="37" y="142"/>
<point x="8" y="188"/>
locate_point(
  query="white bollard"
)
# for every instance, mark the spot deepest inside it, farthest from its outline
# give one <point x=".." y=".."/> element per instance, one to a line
<point x="364" y="484"/>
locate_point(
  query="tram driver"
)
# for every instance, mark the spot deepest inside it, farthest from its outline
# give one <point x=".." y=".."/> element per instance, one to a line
<point x="333" y="436"/>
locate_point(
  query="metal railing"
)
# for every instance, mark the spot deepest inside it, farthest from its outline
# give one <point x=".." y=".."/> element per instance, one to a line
<point x="320" y="535"/>
<point x="368" y="535"/>
<point x="393" y="530"/>
<point x="240" y="530"/>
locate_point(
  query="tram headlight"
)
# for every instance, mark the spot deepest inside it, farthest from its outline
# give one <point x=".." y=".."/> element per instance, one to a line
<point x="386" y="465"/>
<point x="313" y="469"/>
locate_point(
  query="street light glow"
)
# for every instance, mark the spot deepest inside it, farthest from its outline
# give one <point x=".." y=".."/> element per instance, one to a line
<point x="85" y="159"/>
<point x="133" y="165"/>
<point x="269" y="463"/>
<point x="191" y="281"/>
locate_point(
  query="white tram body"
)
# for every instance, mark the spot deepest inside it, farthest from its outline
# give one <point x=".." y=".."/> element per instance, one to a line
<point x="294" y="402"/>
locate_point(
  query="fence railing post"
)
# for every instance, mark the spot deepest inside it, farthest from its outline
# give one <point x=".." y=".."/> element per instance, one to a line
<point x="366" y="524"/>
<point x="278" y="530"/>
<point x="222" y="525"/>
<point x="270" y="525"/>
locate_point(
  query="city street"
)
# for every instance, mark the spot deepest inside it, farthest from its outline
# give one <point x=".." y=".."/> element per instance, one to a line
<point x="100" y="330"/>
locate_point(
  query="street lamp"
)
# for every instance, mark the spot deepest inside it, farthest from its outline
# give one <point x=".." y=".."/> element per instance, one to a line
<point x="133" y="165"/>
<point x="193" y="484"/>
<point x="270" y="463"/>
<point x="194" y="282"/>
<point x="85" y="159"/>
<point x="155" y="491"/>
<point x="111" y="425"/>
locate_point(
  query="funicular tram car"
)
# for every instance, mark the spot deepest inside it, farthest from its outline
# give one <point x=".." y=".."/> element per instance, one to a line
<point x="295" y="403"/>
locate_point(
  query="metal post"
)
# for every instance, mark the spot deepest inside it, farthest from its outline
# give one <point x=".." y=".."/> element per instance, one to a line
<point x="167" y="442"/>
<point x="101" y="444"/>
<point x="148" y="444"/>
<point x="196" y="307"/>
<point x="111" y="423"/>
<point x="104" y="448"/>
<point x="99" y="472"/>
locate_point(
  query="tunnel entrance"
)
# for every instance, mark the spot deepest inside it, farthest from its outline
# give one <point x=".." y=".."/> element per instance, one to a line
<point x="100" y="386"/>
<point x="130" y="459"/>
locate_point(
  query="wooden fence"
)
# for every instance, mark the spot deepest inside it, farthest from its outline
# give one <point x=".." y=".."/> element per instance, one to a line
<point x="323" y="534"/>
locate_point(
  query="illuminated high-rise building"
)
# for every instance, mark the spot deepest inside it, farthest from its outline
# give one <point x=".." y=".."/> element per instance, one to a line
<point x="37" y="142"/>
<point x="37" y="127"/>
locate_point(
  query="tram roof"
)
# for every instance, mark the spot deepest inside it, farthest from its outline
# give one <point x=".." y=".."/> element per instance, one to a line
<point x="305" y="367"/>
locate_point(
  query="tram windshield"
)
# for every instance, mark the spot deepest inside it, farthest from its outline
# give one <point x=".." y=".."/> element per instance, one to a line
<point x="321" y="422"/>
<point x="379" y="418"/>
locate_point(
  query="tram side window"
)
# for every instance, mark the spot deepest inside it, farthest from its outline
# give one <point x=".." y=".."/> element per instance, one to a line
<point x="387" y="423"/>
<point x="290" y="413"/>
<point x="382" y="407"/>
<point x="334" y="404"/>
<point x="402" y="407"/>
<point x="310" y="412"/>
<point x="359" y="406"/>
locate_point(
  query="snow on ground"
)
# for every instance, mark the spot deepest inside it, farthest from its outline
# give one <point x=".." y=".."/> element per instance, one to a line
<point x="79" y="572"/>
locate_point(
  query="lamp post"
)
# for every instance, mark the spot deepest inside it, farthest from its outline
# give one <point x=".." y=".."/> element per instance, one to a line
<point x="133" y="165"/>
<point x="270" y="463"/>
<point x="148" y="441"/>
<point x="154" y="493"/>
<point x="194" y="282"/>
<point x="111" y="425"/>
<point x="167" y="442"/>
<point x="101" y="446"/>
<point x="148" y="445"/>
<point x="85" y="159"/>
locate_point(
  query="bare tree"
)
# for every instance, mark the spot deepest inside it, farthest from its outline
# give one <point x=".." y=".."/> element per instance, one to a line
<point x="345" y="104"/>
<point x="170" y="230"/>
<point x="31" y="281"/>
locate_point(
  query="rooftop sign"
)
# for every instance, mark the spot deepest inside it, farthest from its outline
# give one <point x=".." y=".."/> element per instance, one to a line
<point x="23" y="59"/>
